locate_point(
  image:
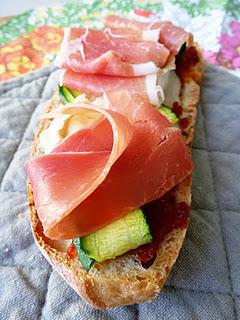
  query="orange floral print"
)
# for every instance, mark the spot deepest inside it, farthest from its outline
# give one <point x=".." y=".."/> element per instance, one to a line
<point x="46" y="39"/>
<point x="29" y="52"/>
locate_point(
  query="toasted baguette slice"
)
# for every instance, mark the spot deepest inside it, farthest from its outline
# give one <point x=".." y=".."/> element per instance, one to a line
<point x="122" y="281"/>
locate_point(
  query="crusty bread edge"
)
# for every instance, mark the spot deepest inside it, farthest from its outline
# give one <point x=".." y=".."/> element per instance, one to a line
<point x="122" y="281"/>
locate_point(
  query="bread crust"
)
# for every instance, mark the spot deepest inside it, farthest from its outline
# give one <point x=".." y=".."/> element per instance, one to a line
<point x="122" y="281"/>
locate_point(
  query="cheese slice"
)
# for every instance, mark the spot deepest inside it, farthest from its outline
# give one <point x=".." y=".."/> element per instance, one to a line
<point x="64" y="124"/>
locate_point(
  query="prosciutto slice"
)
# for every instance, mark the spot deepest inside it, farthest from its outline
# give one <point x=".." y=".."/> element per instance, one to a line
<point x="85" y="184"/>
<point x="145" y="86"/>
<point x="135" y="35"/>
<point x="75" y="168"/>
<point x="116" y="22"/>
<point x="171" y="36"/>
<point x="98" y="52"/>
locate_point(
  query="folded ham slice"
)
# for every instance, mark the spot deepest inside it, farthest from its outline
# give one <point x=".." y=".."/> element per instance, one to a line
<point x="171" y="36"/>
<point x="98" y="52"/>
<point x="75" y="168"/>
<point x="99" y="174"/>
<point x="96" y="85"/>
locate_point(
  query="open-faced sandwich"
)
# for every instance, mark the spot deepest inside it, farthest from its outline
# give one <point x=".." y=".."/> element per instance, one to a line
<point x="109" y="184"/>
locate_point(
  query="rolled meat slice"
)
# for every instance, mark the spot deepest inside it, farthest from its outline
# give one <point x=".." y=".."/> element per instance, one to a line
<point x="65" y="177"/>
<point x="98" y="175"/>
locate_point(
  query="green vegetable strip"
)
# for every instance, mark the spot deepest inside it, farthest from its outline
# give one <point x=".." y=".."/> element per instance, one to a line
<point x="74" y="93"/>
<point x="120" y="236"/>
<point x="86" y="261"/>
<point x="65" y="94"/>
<point x="167" y="112"/>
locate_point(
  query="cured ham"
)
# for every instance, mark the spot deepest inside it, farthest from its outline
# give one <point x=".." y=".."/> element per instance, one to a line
<point x="135" y="35"/>
<point x="174" y="37"/>
<point x="98" y="84"/>
<point x="85" y="184"/>
<point x="74" y="169"/>
<point x="171" y="36"/>
<point x="98" y="52"/>
<point x="145" y="86"/>
<point x="116" y="22"/>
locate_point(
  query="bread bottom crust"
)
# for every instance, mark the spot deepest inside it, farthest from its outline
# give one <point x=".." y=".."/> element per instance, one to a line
<point x="123" y="281"/>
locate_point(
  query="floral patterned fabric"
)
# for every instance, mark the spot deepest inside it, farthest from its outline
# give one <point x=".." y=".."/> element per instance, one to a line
<point x="32" y="39"/>
<point x="29" y="52"/>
